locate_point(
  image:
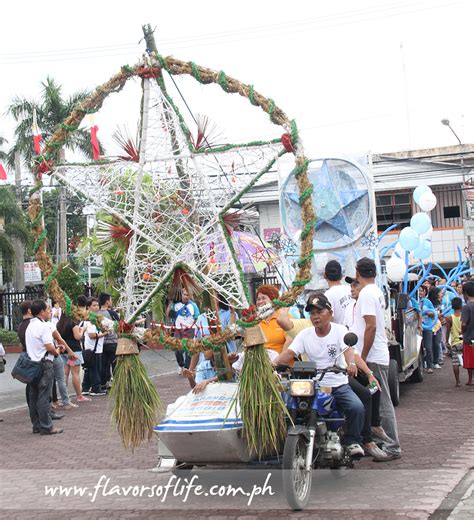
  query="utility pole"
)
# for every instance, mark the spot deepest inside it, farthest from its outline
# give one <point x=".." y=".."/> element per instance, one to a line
<point x="19" y="248"/>
<point x="62" y="251"/>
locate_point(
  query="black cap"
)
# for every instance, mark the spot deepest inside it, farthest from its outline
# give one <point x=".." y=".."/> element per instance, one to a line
<point x="350" y="279"/>
<point x="318" y="301"/>
<point x="333" y="271"/>
<point x="366" y="268"/>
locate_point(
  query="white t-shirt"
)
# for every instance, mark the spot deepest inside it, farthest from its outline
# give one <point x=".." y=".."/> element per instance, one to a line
<point x="38" y="334"/>
<point x="349" y="312"/>
<point x="340" y="298"/>
<point x="185" y="318"/>
<point x="89" y="343"/>
<point x="323" y="351"/>
<point x="371" y="303"/>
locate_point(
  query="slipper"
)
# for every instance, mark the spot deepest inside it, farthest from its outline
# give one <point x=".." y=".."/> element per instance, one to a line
<point x="389" y="456"/>
<point x="375" y="452"/>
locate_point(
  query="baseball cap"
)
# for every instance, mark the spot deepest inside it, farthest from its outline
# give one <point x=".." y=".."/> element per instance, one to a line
<point x="366" y="268"/>
<point x="333" y="270"/>
<point x="350" y="279"/>
<point x="318" y="301"/>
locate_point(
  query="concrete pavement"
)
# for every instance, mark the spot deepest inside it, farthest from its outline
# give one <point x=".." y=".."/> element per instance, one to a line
<point x="431" y="479"/>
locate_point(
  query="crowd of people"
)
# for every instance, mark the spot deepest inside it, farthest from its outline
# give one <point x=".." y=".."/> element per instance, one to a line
<point x="446" y="326"/>
<point x="49" y="336"/>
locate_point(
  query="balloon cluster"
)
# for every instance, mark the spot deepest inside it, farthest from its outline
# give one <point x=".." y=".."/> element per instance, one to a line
<point x="415" y="239"/>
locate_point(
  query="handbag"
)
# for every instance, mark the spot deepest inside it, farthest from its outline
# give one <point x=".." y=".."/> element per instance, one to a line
<point x="28" y="371"/>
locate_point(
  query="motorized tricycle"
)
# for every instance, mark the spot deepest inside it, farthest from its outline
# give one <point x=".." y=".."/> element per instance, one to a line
<point x="206" y="429"/>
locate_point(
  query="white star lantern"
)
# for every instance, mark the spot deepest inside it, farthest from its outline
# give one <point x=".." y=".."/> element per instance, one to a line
<point x="170" y="203"/>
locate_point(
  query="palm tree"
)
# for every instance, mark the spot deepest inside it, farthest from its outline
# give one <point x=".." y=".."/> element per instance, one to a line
<point x="3" y="155"/>
<point x="12" y="225"/>
<point x="51" y="110"/>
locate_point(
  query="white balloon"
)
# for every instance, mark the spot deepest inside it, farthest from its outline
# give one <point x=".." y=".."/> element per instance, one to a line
<point x="427" y="235"/>
<point x="396" y="269"/>
<point x="427" y="201"/>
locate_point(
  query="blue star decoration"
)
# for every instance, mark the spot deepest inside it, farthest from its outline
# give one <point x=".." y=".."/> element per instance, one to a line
<point x="332" y="351"/>
<point x="331" y="205"/>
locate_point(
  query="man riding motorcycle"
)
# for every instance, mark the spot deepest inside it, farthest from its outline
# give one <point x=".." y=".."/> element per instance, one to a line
<point x="323" y="343"/>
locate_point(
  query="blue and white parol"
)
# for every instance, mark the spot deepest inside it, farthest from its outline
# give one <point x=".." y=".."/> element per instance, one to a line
<point x="341" y="199"/>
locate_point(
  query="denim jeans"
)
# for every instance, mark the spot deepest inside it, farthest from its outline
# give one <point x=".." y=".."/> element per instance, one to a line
<point x="107" y="363"/>
<point x="39" y="399"/>
<point x="428" y="348"/>
<point x="91" y="379"/>
<point x="387" y="411"/>
<point x="351" y="406"/>
<point x="437" y="346"/>
<point x="58" y="366"/>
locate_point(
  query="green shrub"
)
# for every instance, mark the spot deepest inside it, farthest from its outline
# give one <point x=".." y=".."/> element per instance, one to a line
<point x="9" y="337"/>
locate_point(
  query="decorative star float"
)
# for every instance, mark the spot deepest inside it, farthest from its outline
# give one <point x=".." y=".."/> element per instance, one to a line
<point x="169" y="199"/>
<point x="340" y="199"/>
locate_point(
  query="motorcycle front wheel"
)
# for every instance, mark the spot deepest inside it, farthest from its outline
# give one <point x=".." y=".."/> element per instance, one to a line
<point x="296" y="479"/>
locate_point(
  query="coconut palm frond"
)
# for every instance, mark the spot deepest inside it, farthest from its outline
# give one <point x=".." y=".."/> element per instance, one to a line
<point x="6" y="246"/>
<point x="18" y="230"/>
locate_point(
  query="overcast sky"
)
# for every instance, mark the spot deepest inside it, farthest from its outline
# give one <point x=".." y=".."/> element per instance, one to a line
<point x="357" y="75"/>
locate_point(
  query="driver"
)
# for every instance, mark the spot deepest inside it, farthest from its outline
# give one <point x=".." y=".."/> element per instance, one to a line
<point x="323" y="343"/>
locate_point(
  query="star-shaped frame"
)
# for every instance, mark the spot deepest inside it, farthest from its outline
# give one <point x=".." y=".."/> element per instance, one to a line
<point x="172" y="200"/>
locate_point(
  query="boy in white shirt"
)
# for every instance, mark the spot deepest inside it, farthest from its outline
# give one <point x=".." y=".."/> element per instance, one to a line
<point x="338" y="293"/>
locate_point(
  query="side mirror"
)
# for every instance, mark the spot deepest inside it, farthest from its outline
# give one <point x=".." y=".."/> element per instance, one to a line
<point x="351" y="339"/>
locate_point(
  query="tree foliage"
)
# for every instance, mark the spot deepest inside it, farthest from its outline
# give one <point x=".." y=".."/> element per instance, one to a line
<point x="13" y="225"/>
<point x="51" y="110"/>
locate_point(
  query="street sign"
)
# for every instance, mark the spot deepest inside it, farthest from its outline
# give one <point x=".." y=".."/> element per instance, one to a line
<point x="32" y="272"/>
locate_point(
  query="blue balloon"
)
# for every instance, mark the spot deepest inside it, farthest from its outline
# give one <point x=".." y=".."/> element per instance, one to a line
<point x="409" y="239"/>
<point x="419" y="190"/>
<point x="423" y="250"/>
<point x="420" y="222"/>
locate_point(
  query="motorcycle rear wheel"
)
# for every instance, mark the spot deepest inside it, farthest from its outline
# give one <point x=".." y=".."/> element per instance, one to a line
<point x="296" y="479"/>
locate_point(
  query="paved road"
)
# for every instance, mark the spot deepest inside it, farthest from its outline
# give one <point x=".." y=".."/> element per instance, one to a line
<point x="433" y="478"/>
<point x="12" y="392"/>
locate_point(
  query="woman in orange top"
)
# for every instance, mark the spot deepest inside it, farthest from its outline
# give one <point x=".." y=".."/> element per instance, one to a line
<point x="274" y="334"/>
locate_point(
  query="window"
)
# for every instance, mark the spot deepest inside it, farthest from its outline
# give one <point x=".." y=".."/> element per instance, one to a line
<point x="393" y="209"/>
<point x="452" y="211"/>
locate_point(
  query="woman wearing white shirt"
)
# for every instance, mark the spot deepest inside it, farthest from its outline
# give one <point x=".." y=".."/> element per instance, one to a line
<point x="93" y="340"/>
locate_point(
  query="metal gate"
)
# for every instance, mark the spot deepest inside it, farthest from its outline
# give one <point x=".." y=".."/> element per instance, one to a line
<point x="10" y="315"/>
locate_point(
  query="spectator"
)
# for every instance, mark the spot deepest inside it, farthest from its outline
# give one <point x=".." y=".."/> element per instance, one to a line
<point x="338" y="293"/>
<point x="93" y="340"/>
<point x="467" y="328"/>
<point x="453" y="330"/>
<point x="369" y="325"/>
<point x="56" y="312"/>
<point x="25" y="308"/>
<point x="72" y="334"/>
<point x="40" y="347"/>
<point x="435" y="296"/>
<point x="227" y="316"/>
<point x="184" y="313"/>
<point x="110" y="342"/>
